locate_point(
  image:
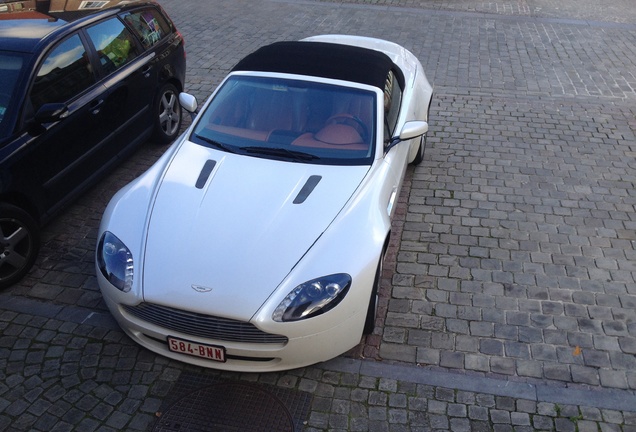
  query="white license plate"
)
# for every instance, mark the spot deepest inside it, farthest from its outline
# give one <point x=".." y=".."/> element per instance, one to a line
<point x="210" y="352"/>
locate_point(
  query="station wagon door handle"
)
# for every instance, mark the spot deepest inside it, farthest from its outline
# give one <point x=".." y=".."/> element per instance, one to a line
<point x="96" y="106"/>
<point x="146" y="71"/>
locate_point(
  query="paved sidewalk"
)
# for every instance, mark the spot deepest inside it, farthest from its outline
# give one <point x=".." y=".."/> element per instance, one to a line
<point x="70" y="368"/>
<point x="509" y="294"/>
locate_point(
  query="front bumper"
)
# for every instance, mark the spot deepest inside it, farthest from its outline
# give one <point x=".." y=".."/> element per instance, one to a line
<point x="267" y="356"/>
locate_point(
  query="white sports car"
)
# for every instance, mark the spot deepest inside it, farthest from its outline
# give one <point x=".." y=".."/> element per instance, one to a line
<point x="255" y="243"/>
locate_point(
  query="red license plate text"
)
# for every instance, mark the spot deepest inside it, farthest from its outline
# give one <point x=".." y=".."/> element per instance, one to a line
<point x="210" y="352"/>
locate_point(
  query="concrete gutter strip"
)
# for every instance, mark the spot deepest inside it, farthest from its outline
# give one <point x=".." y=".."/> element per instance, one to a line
<point x="74" y="314"/>
<point x="28" y="306"/>
<point x="598" y="398"/>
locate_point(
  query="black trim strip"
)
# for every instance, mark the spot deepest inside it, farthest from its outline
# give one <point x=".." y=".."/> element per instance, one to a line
<point x="307" y="189"/>
<point x="205" y="173"/>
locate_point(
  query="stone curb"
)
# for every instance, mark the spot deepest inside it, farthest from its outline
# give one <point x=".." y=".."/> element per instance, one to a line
<point x="597" y="398"/>
<point x="74" y="314"/>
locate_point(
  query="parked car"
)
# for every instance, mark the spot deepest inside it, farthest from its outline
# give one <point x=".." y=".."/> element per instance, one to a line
<point x="256" y="242"/>
<point x="79" y="91"/>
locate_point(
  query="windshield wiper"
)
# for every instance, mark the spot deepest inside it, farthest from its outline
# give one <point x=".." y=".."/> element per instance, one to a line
<point x="216" y="144"/>
<point x="281" y="152"/>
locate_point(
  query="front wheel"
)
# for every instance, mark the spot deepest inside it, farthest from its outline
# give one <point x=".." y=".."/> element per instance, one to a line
<point x="167" y="114"/>
<point x="19" y="244"/>
<point x="419" y="157"/>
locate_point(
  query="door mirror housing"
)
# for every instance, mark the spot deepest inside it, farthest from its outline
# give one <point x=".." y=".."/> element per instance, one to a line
<point x="413" y="129"/>
<point x="410" y="130"/>
<point x="189" y="103"/>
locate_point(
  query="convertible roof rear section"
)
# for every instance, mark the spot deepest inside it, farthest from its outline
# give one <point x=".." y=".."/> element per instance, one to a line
<point x="322" y="59"/>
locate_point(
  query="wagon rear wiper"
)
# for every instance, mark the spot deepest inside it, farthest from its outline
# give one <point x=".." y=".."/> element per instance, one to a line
<point x="281" y="152"/>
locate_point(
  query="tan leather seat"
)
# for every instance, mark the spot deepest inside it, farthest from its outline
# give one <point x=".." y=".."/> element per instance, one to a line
<point x="334" y="136"/>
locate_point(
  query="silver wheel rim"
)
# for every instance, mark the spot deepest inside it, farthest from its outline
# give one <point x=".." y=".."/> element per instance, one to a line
<point x="15" y="247"/>
<point x="169" y="115"/>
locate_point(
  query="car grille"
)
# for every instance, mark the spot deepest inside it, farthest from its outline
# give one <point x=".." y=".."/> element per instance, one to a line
<point x="200" y="325"/>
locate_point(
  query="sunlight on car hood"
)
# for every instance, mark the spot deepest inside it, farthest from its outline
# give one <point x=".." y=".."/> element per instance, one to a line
<point x="223" y="247"/>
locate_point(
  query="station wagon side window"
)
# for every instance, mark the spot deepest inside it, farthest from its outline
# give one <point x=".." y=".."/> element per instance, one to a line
<point x="149" y="26"/>
<point x="392" y="102"/>
<point x="65" y="73"/>
<point x="114" y="43"/>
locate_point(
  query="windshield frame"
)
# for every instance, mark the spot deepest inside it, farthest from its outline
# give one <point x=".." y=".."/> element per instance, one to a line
<point x="298" y="143"/>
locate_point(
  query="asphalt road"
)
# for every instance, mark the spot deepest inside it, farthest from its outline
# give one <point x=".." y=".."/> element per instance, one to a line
<point x="509" y="295"/>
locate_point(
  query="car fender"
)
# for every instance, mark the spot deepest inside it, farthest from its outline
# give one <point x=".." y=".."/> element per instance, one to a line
<point x="122" y="217"/>
<point x="352" y="244"/>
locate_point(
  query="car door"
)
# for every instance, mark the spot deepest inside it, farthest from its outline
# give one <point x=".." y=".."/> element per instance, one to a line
<point x="58" y="159"/>
<point x="127" y="71"/>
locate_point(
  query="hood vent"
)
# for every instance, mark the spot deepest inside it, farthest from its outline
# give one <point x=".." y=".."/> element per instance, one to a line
<point x="205" y="173"/>
<point x="307" y="189"/>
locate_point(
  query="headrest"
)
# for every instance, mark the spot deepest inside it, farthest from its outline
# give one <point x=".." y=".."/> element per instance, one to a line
<point x="339" y="134"/>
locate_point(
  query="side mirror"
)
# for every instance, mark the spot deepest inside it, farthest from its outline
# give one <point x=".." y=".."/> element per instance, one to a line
<point x="413" y="129"/>
<point x="51" y="112"/>
<point x="189" y="103"/>
<point x="410" y="130"/>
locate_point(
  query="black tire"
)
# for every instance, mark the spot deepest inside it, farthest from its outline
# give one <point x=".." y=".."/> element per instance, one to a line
<point x="167" y="115"/>
<point x="420" y="151"/>
<point x="369" y="323"/>
<point x="19" y="244"/>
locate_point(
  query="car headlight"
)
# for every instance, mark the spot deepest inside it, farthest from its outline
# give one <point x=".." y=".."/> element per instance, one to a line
<point x="115" y="261"/>
<point x="313" y="298"/>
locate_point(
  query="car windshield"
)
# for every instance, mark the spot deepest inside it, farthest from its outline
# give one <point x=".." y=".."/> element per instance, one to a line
<point x="288" y="119"/>
<point x="10" y="67"/>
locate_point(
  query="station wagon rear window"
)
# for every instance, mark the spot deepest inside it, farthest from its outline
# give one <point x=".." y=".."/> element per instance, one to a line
<point x="149" y="25"/>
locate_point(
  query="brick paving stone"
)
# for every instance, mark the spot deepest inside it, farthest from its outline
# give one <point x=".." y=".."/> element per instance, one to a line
<point x="512" y="261"/>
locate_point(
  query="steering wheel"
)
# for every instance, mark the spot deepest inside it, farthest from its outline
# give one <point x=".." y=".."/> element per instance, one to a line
<point x="350" y="120"/>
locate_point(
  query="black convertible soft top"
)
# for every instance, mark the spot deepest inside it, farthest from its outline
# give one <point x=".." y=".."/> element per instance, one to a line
<point x="322" y="59"/>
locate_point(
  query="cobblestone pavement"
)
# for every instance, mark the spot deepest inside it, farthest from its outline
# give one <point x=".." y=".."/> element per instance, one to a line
<point x="618" y="11"/>
<point x="508" y="298"/>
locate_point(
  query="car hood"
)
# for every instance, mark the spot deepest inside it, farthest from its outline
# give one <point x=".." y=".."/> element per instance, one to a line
<point x="220" y="243"/>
